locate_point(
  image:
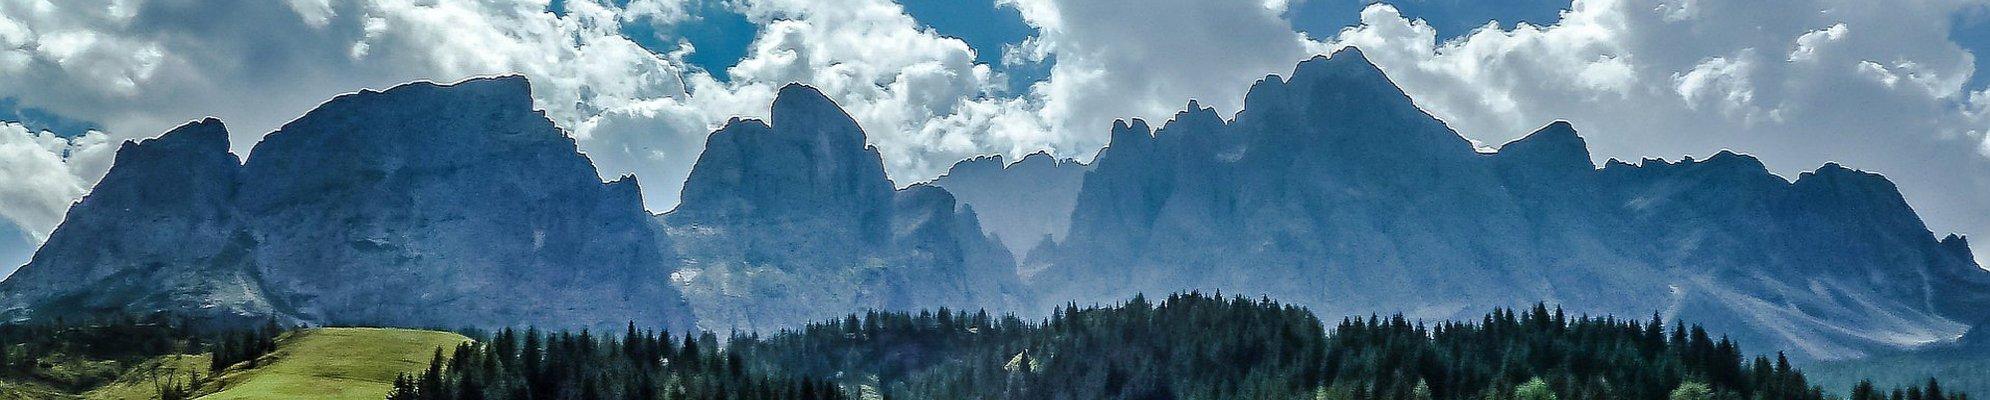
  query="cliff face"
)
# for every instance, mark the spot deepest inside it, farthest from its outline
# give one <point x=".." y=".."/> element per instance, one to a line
<point x="1022" y="204"/>
<point x="794" y="222"/>
<point x="1332" y="190"/>
<point x="422" y="205"/>
<point x="159" y="233"/>
<point x="458" y="205"/>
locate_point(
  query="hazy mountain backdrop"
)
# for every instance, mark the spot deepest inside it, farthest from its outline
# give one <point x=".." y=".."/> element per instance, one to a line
<point x="460" y="205"/>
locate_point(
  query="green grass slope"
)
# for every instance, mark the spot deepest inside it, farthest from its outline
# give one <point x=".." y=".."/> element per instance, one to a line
<point x="143" y="381"/>
<point x="334" y="363"/>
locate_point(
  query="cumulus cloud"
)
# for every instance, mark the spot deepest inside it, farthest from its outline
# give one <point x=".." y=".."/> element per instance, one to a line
<point x="1876" y="86"/>
<point x="137" y="66"/>
<point x="44" y="173"/>
<point x="1146" y="59"/>
<point x="919" y="94"/>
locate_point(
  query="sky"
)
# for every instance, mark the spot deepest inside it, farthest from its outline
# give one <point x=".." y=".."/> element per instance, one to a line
<point x="1889" y="87"/>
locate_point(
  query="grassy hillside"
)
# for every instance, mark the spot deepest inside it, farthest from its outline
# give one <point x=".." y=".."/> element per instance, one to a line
<point x="105" y="379"/>
<point x="142" y="381"/>
<point x="334" y="363"/>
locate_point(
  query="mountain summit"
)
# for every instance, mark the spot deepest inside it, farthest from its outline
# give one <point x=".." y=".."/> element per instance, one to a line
<point x="1332" y="190"/>
<point x="794" y="222"/>
<point x="421" y="205"/>
<point x="459" y="205"/>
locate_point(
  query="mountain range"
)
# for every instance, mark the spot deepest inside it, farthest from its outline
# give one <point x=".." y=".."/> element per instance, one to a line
<point x="1332" y="190"/>
<point x="459" y="205"/>
<point x="423" y="205"/>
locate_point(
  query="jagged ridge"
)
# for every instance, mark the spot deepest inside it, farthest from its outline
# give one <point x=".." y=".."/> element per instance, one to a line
<point x="421" y="205"/>
<point x="1331" y="189"/>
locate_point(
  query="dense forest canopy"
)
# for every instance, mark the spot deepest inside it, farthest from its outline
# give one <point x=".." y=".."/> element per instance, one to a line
<point x="1187" y="346"/>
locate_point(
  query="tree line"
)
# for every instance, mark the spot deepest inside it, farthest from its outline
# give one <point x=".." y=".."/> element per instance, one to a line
<point x="639" y="364"/>
<point x="1187" y="346"/>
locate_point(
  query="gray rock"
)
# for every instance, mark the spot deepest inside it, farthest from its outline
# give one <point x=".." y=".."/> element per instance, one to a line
<point x="1332" y="190"/>
<point x="1021" y="204"/>
<point x="796" y="222"/>
<point x="160" y="234"/>
<point x="424" y="205"/>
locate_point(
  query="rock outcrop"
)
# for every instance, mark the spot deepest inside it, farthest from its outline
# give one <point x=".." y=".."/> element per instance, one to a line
<point x="796" y="221"/>
<point x="1023" y="203"/>
<point x="160" y="233"/>
<point x="1332" y="190"/>
<point x="423" y="205"/>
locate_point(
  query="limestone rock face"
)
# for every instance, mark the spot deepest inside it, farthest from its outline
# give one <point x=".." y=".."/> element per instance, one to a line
<point x="423" y="205"/>
<point x="796" y="221"/>
<point x="159" y="233"/>
<point x="810" y="172"/>
<point x="1022" y="203"/>
<point x="1332" y="190"/>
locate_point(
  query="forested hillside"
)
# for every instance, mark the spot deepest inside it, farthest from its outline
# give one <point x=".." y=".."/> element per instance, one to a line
<point x="1187" y="346"/>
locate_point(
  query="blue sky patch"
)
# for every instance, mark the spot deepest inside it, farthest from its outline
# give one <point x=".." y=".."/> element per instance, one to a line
<point x="987" y="28"/>
<point x="1321" y="19"/>
<point x="720" y="35"/>
<point x="37" y="119"/>
<point x="1971" y="30"/>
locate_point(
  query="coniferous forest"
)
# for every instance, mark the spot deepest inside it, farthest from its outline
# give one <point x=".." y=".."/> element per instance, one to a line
<point x="1187" y="346"/>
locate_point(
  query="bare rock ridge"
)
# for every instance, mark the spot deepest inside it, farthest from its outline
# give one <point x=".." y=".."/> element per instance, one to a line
<point x="796" y="221"/>
<point x="1022" y="203"/>
<point x="458" y="205"/>
<point x="162" y="221"/>
<point x="421" y="205"/>
<point x="1332" y="190"/>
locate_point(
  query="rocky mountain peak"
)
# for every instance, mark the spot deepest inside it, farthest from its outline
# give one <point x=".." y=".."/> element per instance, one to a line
<point x="811" y="164"/>
<point x="1555" y="146"/>
<point x="1040" y="159"/>
<point x="421" y="205"/>
<point x="1023" y="203"/>
<point x="801" y="110"/>
<point x="1346" y="63"/>
<point x="800" y="213"/>
<point x="1851" y="183"/>
<point x="187" y="169"/>
<point x="1129" y="135"/>
<point x="204" y="136"/>
<point x="1958" y="246"/>
<point x="160" y="221"/>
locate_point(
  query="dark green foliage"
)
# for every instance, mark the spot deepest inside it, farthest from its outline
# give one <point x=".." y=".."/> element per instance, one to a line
<point x="77" y="357"/>
<point x="1932" y="390"/>
<point x="24" y="347"/>
<point x="566" y="365"/>
<point x="244" y="346"/>
<point x="1194" y="346"/>
<point x="1188" y="346"/>
<point x="1578" y="357"/>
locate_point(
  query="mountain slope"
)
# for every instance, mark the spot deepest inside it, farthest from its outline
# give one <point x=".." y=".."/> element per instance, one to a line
<point x="1022" y="204"/>
<point x="796" y="221"/>
<point x="159" y="233"/>
<point x="453" y="205"/>
<point x="334" y="363"/>
<point x="1332" y="190"/>
<point x="422" y="205"/>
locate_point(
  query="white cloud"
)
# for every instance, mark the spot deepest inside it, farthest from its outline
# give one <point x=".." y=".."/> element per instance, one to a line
<point x="138" y="66"/>
<point x="1119" y="59"/>
<point x="41" y="180"/>
<point x="1808" y="44"/>
<point x="1875" y="86"/>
